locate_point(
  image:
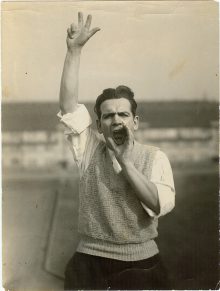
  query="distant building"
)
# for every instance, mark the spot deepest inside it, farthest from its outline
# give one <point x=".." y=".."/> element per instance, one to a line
<point x="33" y="138"/>
<point x="183" y="144"/>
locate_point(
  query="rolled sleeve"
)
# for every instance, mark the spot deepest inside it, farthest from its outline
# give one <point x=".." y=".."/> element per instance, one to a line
<point x="77" y="121"/>
<point x="79" y="135"/>
<point x="162" y="177"/>
<point x="166" y="195"/>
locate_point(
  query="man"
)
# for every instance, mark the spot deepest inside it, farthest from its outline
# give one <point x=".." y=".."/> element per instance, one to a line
<point x="124" y="186"/>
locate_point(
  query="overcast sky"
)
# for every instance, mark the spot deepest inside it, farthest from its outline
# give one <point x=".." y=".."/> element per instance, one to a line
<point x="163" y="50"/>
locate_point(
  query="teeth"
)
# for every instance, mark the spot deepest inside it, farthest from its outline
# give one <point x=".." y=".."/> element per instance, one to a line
<point x="121" y="129"/>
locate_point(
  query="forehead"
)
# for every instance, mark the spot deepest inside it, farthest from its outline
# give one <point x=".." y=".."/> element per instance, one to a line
<point x="115" y="105"/>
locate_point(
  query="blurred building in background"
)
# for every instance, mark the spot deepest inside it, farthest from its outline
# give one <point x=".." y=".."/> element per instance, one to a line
<point x="33" y="138"/>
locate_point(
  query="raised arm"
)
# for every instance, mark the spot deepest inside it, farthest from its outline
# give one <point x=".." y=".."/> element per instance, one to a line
<point x="77" y="36"/>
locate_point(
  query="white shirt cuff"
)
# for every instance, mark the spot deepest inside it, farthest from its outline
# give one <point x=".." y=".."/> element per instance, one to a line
<point x="166" y="196"/>
<point x="77" y="121"/>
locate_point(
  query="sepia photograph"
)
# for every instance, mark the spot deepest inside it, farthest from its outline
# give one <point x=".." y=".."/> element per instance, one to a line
<point x="110" y="145"/>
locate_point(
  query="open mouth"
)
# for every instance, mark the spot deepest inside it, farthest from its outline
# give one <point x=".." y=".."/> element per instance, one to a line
<point x="119" y="135"/>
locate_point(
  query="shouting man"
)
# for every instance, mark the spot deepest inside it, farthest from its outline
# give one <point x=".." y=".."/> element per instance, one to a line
<point x="124" y="185"/>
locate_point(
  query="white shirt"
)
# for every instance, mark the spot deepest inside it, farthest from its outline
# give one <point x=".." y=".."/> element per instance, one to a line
<point x="83" y="141"/>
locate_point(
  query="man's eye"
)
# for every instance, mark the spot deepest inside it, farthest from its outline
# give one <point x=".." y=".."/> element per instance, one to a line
<point x="106" y="116"/>
<point x="124" y="115"/>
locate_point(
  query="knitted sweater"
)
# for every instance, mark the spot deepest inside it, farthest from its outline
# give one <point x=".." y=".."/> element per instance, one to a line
<point x="111" y="217"/>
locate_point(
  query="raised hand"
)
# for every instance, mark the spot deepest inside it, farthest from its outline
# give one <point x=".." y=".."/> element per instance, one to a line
<point x="77" y="36"/>
<point x="123" y="152"/>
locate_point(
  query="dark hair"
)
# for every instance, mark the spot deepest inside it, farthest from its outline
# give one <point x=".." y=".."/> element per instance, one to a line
<point x="110" y="93"/>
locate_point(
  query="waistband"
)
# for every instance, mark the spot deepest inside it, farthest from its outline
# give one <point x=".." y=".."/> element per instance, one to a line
<point x="123" y="252"/>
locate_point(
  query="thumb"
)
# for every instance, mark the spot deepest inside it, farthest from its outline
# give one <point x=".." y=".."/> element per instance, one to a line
<point x="93" y="31"/>
<point x="110" y="143"/>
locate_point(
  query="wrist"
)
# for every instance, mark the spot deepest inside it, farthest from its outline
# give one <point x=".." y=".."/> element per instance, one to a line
<point x="126" y="163"/>
<point x="73" y="51"/>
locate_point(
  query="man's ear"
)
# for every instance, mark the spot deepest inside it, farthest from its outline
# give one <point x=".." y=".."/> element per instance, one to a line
<point x="136" y="122"/>
<point x="98" y="124"/>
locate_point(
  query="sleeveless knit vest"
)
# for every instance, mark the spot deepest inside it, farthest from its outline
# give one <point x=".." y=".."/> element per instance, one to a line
<point x="109" y="208"/>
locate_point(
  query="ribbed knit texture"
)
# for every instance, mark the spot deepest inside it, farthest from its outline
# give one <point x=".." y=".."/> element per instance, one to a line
<point x="112" y="221"/>
<point x="122" y="252"/>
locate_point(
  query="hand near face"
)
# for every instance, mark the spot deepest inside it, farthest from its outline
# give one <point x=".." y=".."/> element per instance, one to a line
<point x="77" y="36"/>
<point x="123" y="151"/>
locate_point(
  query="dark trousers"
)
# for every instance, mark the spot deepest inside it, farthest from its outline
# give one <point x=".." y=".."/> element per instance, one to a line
<point x="91" y="272"/>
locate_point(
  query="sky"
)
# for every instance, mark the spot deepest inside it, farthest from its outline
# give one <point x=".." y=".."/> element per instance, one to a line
<point x="163" y="50"/>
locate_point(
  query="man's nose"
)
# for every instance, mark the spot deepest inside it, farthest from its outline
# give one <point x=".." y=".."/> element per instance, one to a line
<point x="116" y="119"/>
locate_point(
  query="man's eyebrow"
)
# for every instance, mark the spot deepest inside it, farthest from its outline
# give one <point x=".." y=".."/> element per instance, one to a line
<point x="113" y="113"/>
<point x="124" y="112"/>
<point x="108" y="114"/>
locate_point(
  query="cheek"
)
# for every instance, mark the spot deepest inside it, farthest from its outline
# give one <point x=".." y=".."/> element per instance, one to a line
<point x="130" y="123"/>
<point x="105" y="127"/>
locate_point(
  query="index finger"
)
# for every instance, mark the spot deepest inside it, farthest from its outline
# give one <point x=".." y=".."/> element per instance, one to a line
<point x="80" y="19"/>
<point x="128" y="131"/>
